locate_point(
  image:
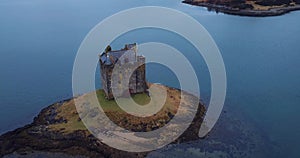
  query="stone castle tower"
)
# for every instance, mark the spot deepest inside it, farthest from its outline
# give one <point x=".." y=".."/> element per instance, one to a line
<point x="128" y="59"/>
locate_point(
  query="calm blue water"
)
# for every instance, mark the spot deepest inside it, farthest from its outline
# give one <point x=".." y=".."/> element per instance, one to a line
<point x="39" y="40"/>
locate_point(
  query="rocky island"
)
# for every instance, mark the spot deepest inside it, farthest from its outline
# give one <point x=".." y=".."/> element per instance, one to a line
<point x="256" y="8"/>
<point x="59" y="129"/>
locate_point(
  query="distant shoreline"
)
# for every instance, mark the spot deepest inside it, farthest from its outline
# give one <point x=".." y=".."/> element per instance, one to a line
<point x="245" y="12"/>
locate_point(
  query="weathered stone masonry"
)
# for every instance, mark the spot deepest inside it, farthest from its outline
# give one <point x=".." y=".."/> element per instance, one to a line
<point x="128" y="60"/>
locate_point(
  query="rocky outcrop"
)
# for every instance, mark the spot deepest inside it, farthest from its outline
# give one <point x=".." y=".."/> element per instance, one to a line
<point x="41" y="135"/>
<point x="247" y="8"/>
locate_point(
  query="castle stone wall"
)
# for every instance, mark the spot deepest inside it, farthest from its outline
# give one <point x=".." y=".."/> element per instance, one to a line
<point x="128" y="62"/>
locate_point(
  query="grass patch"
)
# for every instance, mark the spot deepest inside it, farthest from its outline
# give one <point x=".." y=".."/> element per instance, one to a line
<point x="111" y="105"/>
<point x="67" y="111"/>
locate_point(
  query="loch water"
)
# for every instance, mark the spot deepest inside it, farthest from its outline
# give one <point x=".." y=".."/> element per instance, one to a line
<point x="39" y="40"/>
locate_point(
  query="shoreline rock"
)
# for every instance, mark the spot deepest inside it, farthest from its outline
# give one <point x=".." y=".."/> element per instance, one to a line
<point x="244" y="12"/>
<point x="40" y="136"/>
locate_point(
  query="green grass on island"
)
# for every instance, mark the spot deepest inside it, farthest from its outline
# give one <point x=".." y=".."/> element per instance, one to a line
<point x="111" y="105"/>
<point x="68" y="112"/>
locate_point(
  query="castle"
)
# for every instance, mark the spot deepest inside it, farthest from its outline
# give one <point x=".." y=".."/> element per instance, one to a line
<point x="128" y="59"/>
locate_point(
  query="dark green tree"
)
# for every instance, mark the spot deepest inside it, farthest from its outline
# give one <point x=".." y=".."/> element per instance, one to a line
<point x="108" y="49"/>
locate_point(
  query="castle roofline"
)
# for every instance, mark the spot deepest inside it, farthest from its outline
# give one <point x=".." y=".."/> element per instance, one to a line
<point x="112" y="56"/>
